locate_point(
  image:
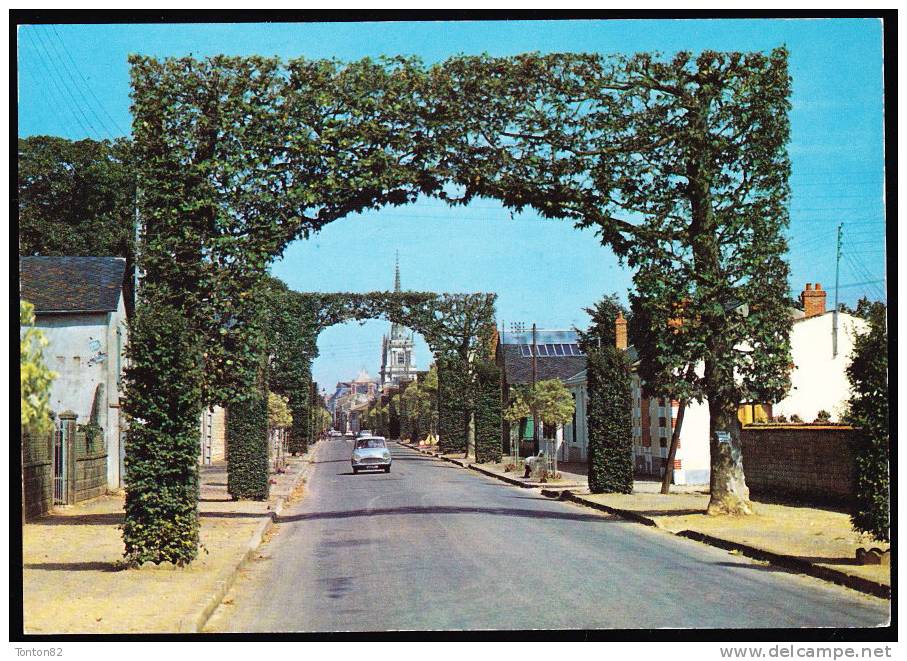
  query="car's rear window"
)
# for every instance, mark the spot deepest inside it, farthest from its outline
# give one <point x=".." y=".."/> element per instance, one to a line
<point x="364" y="443"/>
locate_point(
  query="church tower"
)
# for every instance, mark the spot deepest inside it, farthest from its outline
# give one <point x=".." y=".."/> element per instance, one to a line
<point x="397" y="359"/>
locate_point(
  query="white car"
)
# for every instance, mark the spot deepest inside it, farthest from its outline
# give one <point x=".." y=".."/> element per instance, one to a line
<point x="370" y="452"/>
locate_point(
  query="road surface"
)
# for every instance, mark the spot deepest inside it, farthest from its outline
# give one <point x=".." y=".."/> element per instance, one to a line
<point x="433" y="546"/>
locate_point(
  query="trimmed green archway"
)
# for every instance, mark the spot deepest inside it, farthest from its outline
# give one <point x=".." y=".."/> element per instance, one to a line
<point x="237" y="157"/>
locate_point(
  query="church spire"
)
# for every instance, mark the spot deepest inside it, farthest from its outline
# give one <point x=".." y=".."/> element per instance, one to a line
<point x="397" y="273"/>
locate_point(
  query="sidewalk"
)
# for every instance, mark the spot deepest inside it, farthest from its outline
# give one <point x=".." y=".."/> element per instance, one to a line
<point x="809" y="540"/>
<point x="73" y="581"/>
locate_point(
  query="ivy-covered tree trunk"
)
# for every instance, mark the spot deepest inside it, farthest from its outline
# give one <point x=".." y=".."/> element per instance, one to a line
<point x="453" y="416"/>
<point x="488" y="414"/>
<point x="247" y="444"/>
<point x="608" y="422"/>
<point x="163" y="394"/>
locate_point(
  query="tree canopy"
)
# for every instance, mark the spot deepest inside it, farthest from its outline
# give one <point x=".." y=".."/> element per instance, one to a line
<point x="77" y="198"/>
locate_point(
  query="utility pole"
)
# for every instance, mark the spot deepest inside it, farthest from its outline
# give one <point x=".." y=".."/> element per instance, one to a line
<point x="535" y="416"/>
<point x="834" y="325"/>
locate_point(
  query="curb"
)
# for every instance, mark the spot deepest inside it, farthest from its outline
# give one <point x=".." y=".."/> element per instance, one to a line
<point x="783" y="561"/>
<point x="502" y="478"/>
<point x="215" y="598"/>
<point x="794" y="564"/>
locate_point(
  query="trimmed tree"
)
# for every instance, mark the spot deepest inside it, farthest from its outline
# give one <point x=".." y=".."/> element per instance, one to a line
<point x="681" y="166"/>
<point x="550" y="400"/>
<point x="488" y="414"/>
<point x="162" y="487"/>
<point x="247" y="445"/>
<point x="608" y="421"/>
<point x="868" y="376"/>
<point x="453" y="413"/>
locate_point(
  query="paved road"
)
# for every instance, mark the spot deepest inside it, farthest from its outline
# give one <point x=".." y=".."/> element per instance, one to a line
<point x="434" y="546"/>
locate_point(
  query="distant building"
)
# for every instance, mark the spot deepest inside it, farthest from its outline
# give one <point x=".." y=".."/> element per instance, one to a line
<point x="351" y="399"/>
<point x="398" y="362"/>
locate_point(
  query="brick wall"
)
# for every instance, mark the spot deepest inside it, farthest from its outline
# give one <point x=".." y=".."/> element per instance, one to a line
<point x="37" y="473"/>
<point x="806" y="462"/>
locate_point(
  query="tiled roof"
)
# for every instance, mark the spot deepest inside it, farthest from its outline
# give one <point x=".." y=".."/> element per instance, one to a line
<point x="71" y="284"/>
<point x="518" y="369"/>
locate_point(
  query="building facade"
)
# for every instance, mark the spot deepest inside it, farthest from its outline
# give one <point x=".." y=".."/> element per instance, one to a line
<point x="398" y="361"/>
<point x="80" y="309"/>
<point x="557" y="356"/>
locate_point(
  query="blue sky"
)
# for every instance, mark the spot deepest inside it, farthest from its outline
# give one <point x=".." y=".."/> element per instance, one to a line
<point x="74" y="82"/>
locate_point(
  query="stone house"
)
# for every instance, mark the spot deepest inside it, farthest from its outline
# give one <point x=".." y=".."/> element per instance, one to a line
<point x="80" y="309"/>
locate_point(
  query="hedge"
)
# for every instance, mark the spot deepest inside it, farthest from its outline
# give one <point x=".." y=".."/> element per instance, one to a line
<point x="247" y="447"/>
<point x="163" y="401"/>
<point x="453" y="415"/>
<point x="608" y="422"/>
<point x="488" y="412"/>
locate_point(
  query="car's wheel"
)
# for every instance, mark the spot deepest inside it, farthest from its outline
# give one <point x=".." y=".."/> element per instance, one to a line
<point x="355" y="470"/>
<point x="387" y="469"/>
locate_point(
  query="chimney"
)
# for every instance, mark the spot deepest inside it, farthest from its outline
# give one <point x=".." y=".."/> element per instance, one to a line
<point x="620" y="331"/>
<point x="813" y="300"/>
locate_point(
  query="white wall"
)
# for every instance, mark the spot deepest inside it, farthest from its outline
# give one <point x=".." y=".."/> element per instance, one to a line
<point x="694" y="454"/>
<point x="819" y="380"/>
<point x="582" y="434"/>
<point x="82" y="350"/>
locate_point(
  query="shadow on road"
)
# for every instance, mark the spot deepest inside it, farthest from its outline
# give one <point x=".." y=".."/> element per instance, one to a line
<point x="447" y="509"/>
<point x="104" y="519"/>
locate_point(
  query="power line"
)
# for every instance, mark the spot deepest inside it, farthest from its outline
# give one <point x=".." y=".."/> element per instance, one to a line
<point x="68" y="91"/>
<point x="87" y="85"/>
<point x="53" y="80"/>
<point x="75" y="86"/>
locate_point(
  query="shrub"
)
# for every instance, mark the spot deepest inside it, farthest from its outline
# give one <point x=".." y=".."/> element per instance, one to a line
<point x="868" y="376"/>
<point x="609" y="424"/>
<point x="823" y="416"/>
<point x="796" y="418"/>
<point x="35" y="378"/>
<point x="781" y="418"/>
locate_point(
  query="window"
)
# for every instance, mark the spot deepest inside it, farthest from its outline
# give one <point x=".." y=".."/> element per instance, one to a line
<point x="559" y="350"/>
<point x="370" y="443"/>
<point x="400" y="358"/>
<point x="526" y="351"/>
<point x="542" y="350"/>
<point x="662" y="422"/>
<point x="575" y="350"/>
<point x="663" y="442"/>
